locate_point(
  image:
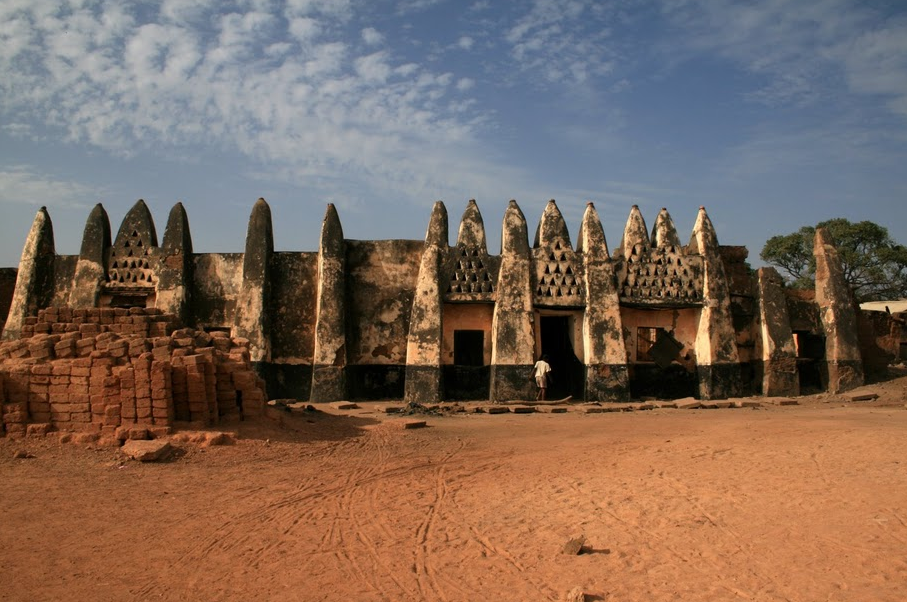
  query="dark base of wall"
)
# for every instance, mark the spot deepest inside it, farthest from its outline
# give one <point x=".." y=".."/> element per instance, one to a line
<point x="328" y="384"/>
<point x="504" y="383"/>
<point x="673" y="382"/>
<point x="777" y="378"/>
<point x="719" y="381"/>
<point x="286" y="381"/>
<point x="423" y="384"/>
<point x="842" y="375"/>
<point x="375" y="382"/>
<point x="466" y="383"/>
<point x="607" y="382"/>
<point x="512" y="382"/>
<point x="749" y="385"/>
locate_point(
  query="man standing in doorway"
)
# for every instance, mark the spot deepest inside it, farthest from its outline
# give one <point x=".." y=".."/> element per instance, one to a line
<point x="541" y="371"/>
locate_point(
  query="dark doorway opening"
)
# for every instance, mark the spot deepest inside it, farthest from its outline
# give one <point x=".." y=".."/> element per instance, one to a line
<point x="810" y="360"/>
<point x="469" y="347"/>
<point x="468" y="377"/>
<point x="567" y="372"/>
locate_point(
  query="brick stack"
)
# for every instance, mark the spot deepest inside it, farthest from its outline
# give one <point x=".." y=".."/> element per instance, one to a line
<point x="128" y="390"/>
<point x="59" y="397"/>
<point x="197" y="390"/>
<point x="103" y="385"/>
<point x="15" y="407"/>
<point x="180" y="390"/>
<point x="224" y="388"/>
<point x="245" y="380"/>
<point x="15" y="418"/>
<point x="88" y="370"/>
<point x="2" y="401"/>
<point x="142" y="367"/>
<point x="148" y="322"/>
<point x="38" y="393"/>
<point x="161" y="393"/>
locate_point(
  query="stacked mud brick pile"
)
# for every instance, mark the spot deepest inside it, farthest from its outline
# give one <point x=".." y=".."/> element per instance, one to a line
<point x="99" y="369"/>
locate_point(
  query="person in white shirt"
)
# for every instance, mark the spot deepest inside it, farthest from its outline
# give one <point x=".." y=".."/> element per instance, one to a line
<point x="540" y="371"/>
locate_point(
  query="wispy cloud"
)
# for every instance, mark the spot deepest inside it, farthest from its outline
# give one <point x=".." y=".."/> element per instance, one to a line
<point x="411" y="6"/>
<point x="283" y="87"/>
<point x="24" y="184"/>
<point x="372" y="36"/>
<point x="803" y="49"/>
<point x="562" y="41"/>
<point x="325" y="95"/>
<point x="811" y="149"/>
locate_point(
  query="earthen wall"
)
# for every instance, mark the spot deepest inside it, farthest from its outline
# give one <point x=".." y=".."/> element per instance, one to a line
<point x="64" y="270"/>
<point x="880" y="341"/>
<point x="216" y="283"/>
<point x="294" y="288"/>
<point x="294" y="295"/>
<point x="804" y="315"/>
<point x="380" y="285"/>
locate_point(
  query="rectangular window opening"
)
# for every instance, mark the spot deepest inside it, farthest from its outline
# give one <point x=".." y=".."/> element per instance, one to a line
<point x="645" y="339"/>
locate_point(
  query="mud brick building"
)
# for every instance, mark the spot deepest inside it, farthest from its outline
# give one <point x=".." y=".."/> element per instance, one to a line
<point x="132" y="331"/>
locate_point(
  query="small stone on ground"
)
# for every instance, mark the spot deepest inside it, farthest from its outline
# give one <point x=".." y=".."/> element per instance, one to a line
<point x="344" y="405"/>
<point x="147" y="451"/>
<point x="575" y="595"/>
<point x="687" y="403"/>
<point x="574" y="546"/>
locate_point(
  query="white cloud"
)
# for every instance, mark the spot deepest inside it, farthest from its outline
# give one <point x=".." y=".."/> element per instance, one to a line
<point x="181" y="11"/>
<point x="875" y="62"/>
<point x="18" y="130"/>
<point x="285" y="89"/>
<point x="304" y="29"/>
<point x="465" y="42"/>
<point x="562" y="41"/>
<point x="161" y="56"/>
<point x="410" y="6"/>
<point x="341" y="9"/>
<point x="279" y="49"/>
<point x="804" y="48"/>
<point x="23" y="184"/>
<point x="372" y="36"/>
<point x="844" y="145"/>
<point x="374" y="67"/>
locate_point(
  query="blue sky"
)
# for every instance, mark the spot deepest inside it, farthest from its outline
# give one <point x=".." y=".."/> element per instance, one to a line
<point x="773" y="115"/>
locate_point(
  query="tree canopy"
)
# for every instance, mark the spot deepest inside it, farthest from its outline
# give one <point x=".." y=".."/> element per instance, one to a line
<point x="875" y="266"/>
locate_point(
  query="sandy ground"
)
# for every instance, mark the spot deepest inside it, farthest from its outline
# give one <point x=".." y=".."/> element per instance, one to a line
<point x="801" y="503"/>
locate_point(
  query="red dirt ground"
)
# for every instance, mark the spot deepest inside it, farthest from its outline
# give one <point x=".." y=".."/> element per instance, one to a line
<point x="797" y="503"/>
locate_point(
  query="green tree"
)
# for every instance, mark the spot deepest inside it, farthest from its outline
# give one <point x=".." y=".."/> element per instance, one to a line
<point x="874" y="265"/>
